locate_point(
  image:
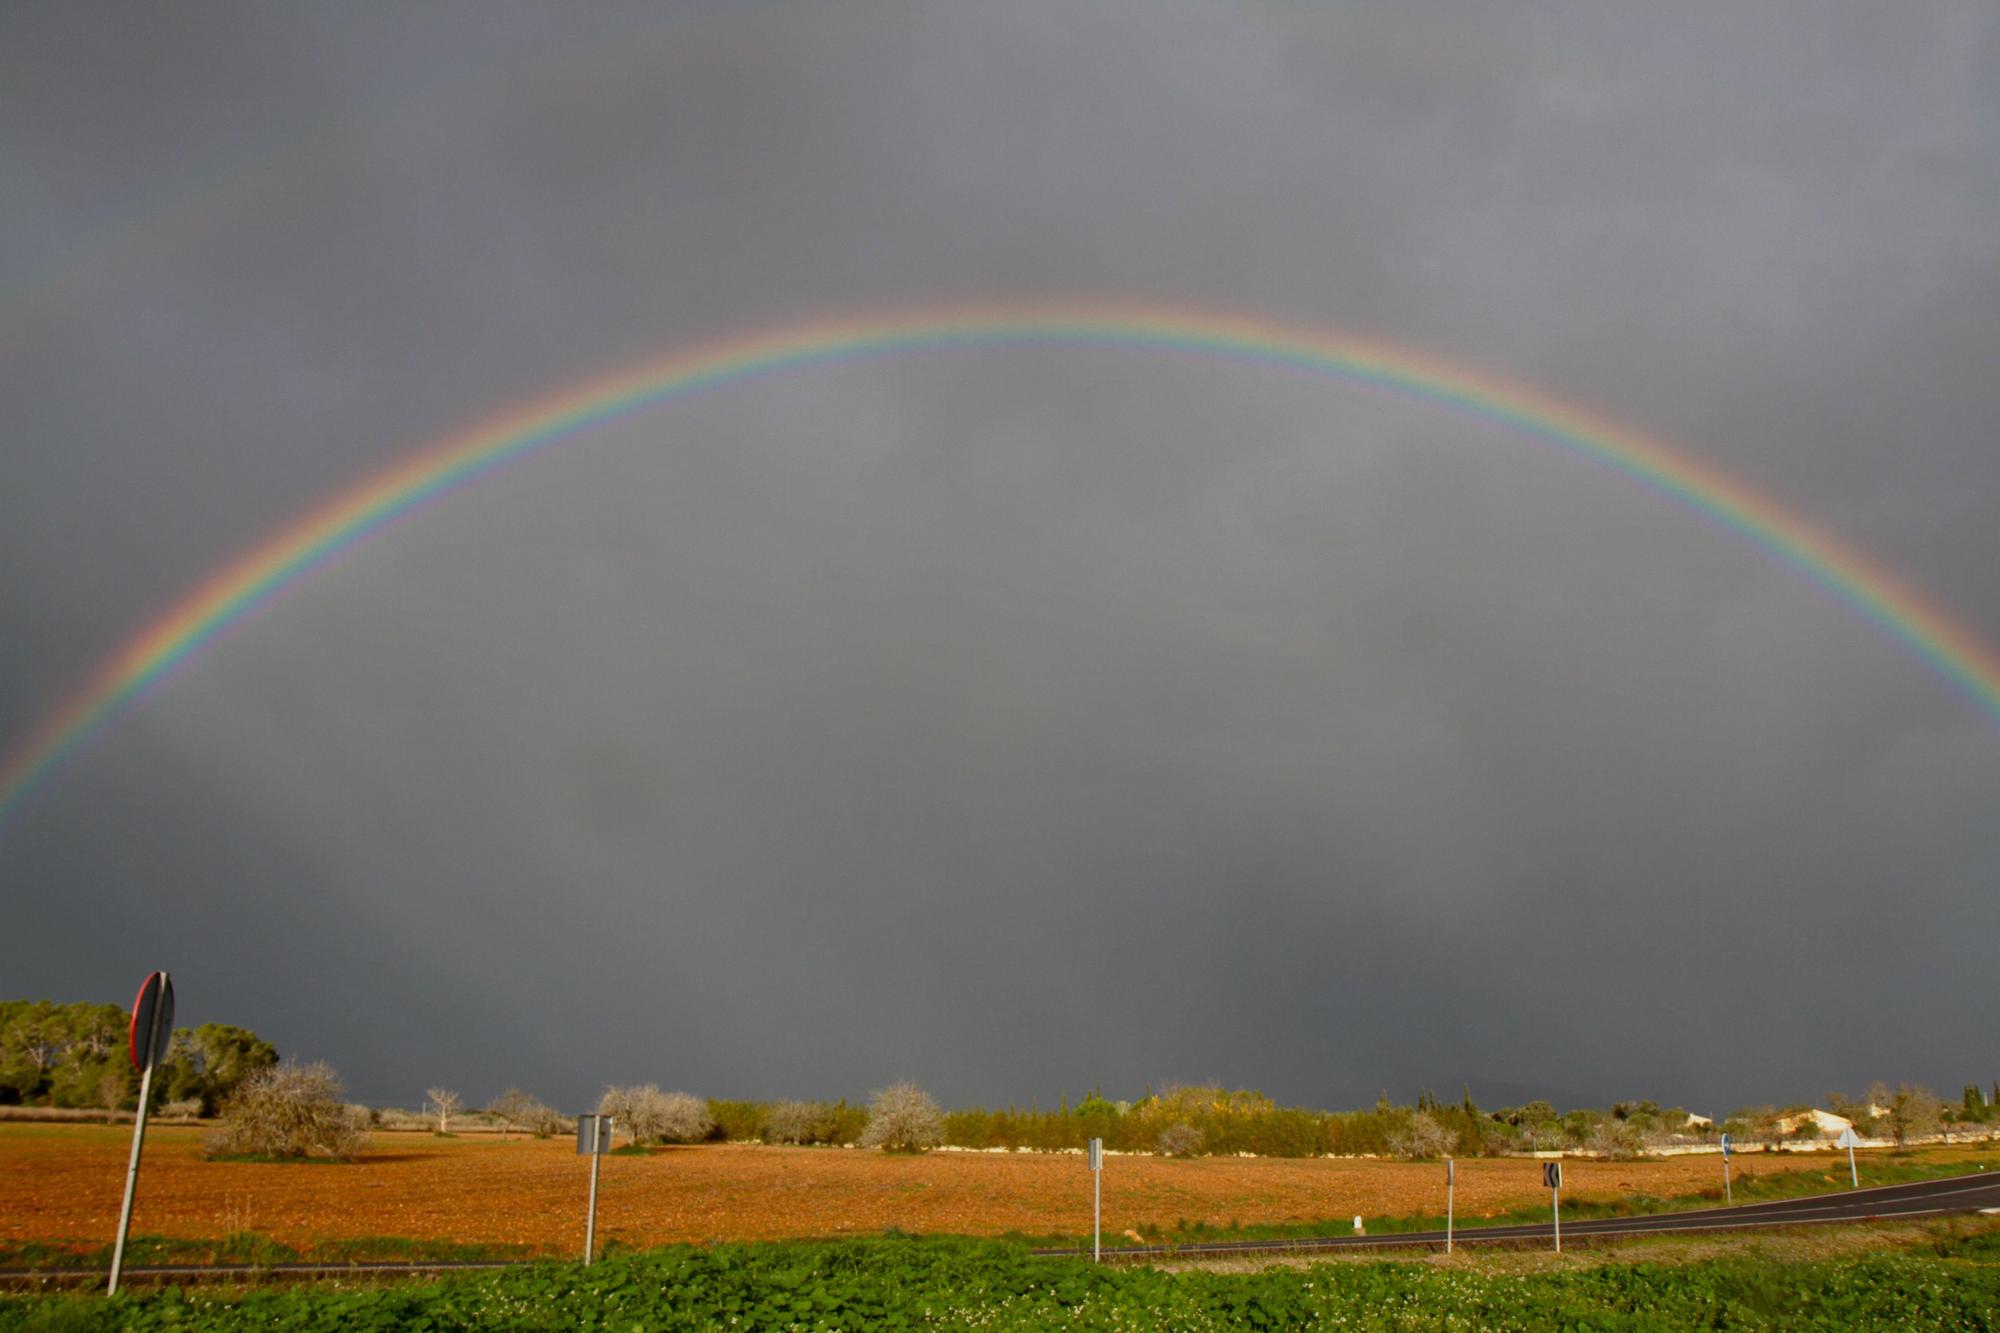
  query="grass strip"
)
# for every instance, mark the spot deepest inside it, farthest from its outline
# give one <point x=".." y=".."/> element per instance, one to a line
<point x="959" y="1284"/>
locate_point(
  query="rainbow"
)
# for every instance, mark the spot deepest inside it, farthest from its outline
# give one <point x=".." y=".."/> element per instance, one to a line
<point x="313" y="538"/>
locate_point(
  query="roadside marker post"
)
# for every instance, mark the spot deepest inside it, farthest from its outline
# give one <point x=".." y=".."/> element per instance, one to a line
<point x="1552" y="1176"/>
<point x="1728" y="1190"/>
<point x="1096" y="1201"/>
<point x="593" y="1139"/>
<point x="1450" y="1183"/>
<point x="1848" y="1139"/>
<point x="152" y="1028"/>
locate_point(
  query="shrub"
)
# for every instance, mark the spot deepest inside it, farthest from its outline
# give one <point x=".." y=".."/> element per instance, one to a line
<point x="287" y="1110"/>
<point x="188" y="1108"/>
<point x="903" y="1118"/>
<point x="651" y="1116"/>
<point x="1180" y="1139"/>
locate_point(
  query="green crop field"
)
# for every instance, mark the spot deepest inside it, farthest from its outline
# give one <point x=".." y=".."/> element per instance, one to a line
<point x="1947" y="1278"/>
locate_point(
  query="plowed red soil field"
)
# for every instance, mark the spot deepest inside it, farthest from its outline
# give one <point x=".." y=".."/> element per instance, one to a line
<point x="61" y="1183"/>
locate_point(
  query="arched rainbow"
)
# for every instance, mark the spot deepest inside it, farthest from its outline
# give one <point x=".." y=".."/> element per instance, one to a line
<point x="257" y="575"/>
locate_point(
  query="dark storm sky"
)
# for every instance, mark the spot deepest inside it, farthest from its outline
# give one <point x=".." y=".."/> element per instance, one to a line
<point x="1018" y="720"/>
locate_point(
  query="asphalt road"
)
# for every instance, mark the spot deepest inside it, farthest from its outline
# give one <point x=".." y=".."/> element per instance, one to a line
<point x="1927" y="1198"/>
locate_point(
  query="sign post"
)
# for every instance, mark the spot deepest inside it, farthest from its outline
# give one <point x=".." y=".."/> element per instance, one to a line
<point x="152" y="1027"/>
<point x="1450" y="1181"/>
<point x="593" y="1139"/>
<point x="1848" y="1139"/>
<point x="1096" y="1200"/>
<point x="1552" y="1176"/>
<point x="1728" y="1191"/>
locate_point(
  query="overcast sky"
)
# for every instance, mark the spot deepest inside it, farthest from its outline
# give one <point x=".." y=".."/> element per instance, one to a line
<point x="1017" y="721"/>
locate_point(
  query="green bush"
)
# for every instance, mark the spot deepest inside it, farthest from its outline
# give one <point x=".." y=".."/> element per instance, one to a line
<point x="955" y="1284"/>
<point x="735" y="1122"/>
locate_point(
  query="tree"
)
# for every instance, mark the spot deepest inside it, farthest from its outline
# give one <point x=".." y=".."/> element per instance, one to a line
<point x="521" y="1110"/>
<point x="1753" y="1123"/>
<point x="443" y="1103"/>
<point x="29" y="1044"/>
<point x="118" y="1087"/>
<point x="649" y="1115"/>
<point x="58" y="1053"/>
<point x="210" y="1061"/>
<point x="797" y="1122"/>
<point x="97" y="1030"/>
<point x="1096" y="1107"/>
<point x="67" y="1054"/>
<point x="1530" y="1114"/>
<point x="1421" y="1137"/>
<point x="903" y="1118"/>
<point x="1180" y="1139"/>
<point x="1910" y="1111"/>
<point x="1615" y="1138"/>
<point x="288" y="1110"/>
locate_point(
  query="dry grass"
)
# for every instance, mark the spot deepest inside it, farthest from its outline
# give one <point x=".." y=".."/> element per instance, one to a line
<point x="64" y="1115"/>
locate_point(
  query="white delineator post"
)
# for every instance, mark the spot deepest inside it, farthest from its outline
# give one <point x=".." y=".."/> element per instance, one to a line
<point x="154" y="1012"/>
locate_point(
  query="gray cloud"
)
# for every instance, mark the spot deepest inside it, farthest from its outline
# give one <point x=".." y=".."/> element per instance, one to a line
<point x="1026" y="719"/>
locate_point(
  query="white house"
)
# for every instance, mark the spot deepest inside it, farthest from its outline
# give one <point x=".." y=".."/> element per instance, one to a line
<point x="1829" y="1124"/>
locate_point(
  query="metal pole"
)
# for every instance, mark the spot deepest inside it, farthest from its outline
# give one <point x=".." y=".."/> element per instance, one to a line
<point x="1852" y="1174"/>
<point x="1555" y="1202"/>
<point x="1450" y="1184"/>
<point x="1096" y="1217"/>
<point x="590" y="1224"/>
<point x="138" y="1141"/>
<point x="1728" y="1190"/>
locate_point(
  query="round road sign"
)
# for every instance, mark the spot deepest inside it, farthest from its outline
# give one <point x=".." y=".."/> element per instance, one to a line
<point x="152" y="1020"/>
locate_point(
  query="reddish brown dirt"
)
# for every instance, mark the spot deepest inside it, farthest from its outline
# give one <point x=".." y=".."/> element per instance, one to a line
<point x="62" y="1183"/>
